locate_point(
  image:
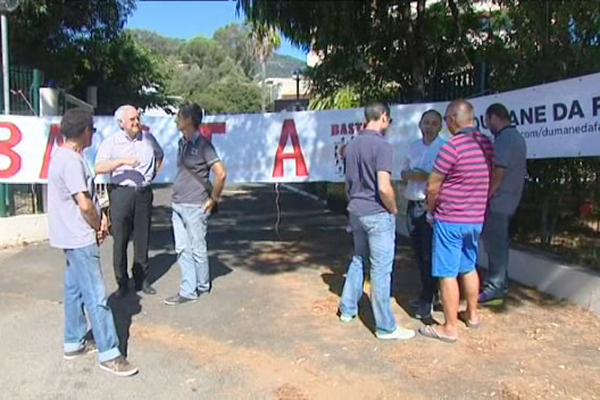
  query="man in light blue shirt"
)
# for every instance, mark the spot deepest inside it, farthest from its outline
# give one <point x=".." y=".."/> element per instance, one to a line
<point x="130" y="159"/>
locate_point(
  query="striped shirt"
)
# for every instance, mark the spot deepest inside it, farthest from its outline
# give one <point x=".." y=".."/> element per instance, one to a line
<point x="466" y="162"/>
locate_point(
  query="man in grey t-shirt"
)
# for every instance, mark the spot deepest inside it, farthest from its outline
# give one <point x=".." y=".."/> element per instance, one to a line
<point x="506" y="189"/>
<point x="76" y="227"/>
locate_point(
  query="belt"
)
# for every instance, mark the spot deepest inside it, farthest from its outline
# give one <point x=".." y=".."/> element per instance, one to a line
<point x="139" y="189"/>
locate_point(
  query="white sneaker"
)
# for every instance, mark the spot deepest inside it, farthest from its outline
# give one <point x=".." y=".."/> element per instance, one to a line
<point x="399" y="334"/>
<point x="346" y="318"/>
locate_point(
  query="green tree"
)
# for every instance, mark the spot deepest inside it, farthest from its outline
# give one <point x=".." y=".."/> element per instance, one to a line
<point x="346" y="97"/>
<point x="124" y="72"/>
<point x="391" y="50"/>
<point x="203" y="52"/>
<point x="157" y="44"/>
<point x="81" y="43"/>
<point x="49" y="34"/>
<point x="205" y="71"/>
<point x="235" y="39"/>
<point x="265" y="40"/>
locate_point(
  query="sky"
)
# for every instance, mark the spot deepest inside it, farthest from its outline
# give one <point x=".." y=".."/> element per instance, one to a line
<point x="187" y="19"/>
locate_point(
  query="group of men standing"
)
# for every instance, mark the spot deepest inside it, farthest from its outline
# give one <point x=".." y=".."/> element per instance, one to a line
<point x="457" y="190"/>
<point x="77" y="225"/>
<point x="453" y="188"/>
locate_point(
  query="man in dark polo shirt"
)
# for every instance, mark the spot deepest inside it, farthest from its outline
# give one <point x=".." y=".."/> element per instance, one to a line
<point x="194" y="199"/>
<point x="506" y="188"/>
<point x="372" y="208"/>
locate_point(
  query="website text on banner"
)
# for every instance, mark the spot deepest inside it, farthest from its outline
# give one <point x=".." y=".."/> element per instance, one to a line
<point x="559" y="119"/>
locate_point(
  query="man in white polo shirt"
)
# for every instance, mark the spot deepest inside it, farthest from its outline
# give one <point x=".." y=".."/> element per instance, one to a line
<point x="419" y="164"/>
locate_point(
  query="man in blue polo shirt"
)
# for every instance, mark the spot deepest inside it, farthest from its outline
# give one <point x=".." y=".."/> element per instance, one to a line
<point x="372" y="208"/>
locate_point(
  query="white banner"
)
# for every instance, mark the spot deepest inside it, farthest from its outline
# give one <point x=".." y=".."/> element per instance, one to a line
<point x="558" y="120"/>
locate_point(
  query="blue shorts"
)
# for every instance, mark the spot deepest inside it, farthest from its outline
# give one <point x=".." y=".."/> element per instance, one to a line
<point x="455" y="248"/>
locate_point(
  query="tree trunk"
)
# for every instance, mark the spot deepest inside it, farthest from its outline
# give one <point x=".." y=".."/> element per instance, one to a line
<point x="263" y="86"/>
<point x="414" y="42"/>
<point x="459" y="28"/>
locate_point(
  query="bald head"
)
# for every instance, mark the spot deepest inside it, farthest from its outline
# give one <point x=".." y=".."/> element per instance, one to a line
<point x="459" y="114"/>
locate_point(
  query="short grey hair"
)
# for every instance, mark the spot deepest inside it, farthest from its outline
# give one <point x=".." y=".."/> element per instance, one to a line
<point x="121" y="110"/>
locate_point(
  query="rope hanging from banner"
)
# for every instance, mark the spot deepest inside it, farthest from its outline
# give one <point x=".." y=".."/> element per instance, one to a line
<point x="278" y="208"/>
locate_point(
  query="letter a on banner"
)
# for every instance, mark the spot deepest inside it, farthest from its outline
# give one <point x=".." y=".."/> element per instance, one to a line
<point x="54" y="138"/>
<point x="289" y="131"/>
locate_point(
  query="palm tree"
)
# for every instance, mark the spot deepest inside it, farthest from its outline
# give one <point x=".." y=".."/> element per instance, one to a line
<point x="265" y="40"/>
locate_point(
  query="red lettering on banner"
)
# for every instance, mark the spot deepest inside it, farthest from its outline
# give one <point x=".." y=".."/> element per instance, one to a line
<point x="289" y="131"/>
<point x="212" y="128"/>
<point x="347" y="128"/>
<point x="55" y="137"/>
<point x="6" y="149"/>
<point x="351" y="129"/>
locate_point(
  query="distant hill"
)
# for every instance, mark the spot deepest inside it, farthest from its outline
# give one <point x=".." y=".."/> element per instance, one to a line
<point x="282" y="66"/>
<point x="279" y="66"/>
<point x="157" y="43"/>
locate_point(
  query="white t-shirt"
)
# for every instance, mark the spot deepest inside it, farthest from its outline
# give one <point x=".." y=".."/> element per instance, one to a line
<point x="421" y="157"/>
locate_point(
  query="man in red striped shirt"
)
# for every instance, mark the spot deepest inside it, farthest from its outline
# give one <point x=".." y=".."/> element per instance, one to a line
<point x="457" y="193"/>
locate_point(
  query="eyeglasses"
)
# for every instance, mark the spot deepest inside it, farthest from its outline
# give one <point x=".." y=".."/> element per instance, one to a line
<point x="448" y="116"/>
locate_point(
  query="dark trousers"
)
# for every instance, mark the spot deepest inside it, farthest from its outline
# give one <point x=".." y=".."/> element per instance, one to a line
<point x="421" y="234"/>
<point x="130" y="212"/>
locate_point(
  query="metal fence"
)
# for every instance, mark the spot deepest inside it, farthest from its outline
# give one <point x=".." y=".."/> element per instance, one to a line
<point x="463" y="84"/>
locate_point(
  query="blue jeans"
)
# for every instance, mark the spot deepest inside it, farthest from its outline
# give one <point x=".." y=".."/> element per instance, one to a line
<point x="84" y="286"/>
<point x="496" y="243"/>
<point x="374" y="235"/>
<point x="189" y="227"/>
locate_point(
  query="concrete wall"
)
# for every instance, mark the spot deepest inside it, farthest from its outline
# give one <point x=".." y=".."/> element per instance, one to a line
<point x="578" y="285"/>
<point x="23" y="229"/>
<point x="575" y="284"/>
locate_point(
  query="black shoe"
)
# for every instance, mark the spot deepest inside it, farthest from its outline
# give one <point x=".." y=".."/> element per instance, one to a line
<point x="147" y="289"/>
<point x="177" y="299"/>
<point x="121" y="292"/>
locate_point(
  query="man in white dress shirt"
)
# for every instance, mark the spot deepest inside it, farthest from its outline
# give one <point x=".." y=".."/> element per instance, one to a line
<point x="419" y="164"/>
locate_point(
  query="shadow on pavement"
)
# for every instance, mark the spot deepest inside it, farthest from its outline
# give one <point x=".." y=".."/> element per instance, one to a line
<point x="123" y="312"/>
<point x="160" y="264"/>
